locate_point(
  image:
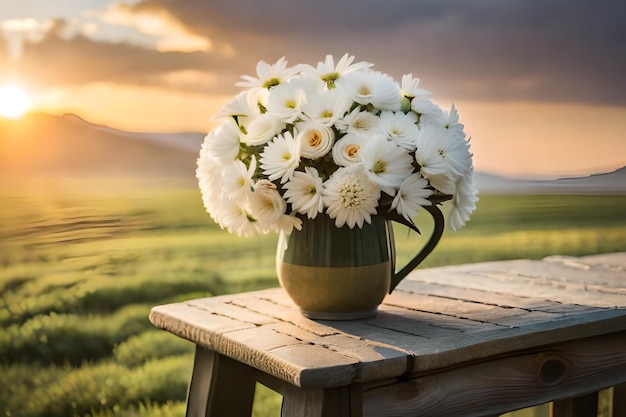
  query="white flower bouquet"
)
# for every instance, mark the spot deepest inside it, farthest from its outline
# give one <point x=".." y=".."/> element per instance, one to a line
<point x="342" y="141"/>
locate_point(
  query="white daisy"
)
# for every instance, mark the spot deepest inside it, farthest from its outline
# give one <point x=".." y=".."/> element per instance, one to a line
<point x="347" y="150"/>
<point x="400" y="128"/>
<point x="286" y="223"/>
<point x="243" y="104"/>
<point x="237" y="219"/>
<point x="412" y="195"/>
<point x="280" y="157"/>
<point x="286" y="102"/>
<point x="237" y="179"/>
<point x="315" y="139"/>
<point x="304" y="192"/>
<point x="351" y="197"/>
<point x="374" y="88"/>
<point x="410" y="87"/>
<point x="443" y="156"/>
<point x="329" y="73"/>
<point x="427" y="110"/>
<point x="386" y="164"/>
<point x="326" y="107"/>
<point x="269" y="75"/>
<point x="262" y="129"/>
<point x="358" y="122"/>
<point x="451" y="121"/>
<point x="464" y="201"/>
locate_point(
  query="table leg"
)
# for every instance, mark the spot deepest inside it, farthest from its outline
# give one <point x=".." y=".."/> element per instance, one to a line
<point x="619" y="400"/>
<point x="220" y="386"/>
<point x="583" y="406"/>
<point x="332" y="402"/>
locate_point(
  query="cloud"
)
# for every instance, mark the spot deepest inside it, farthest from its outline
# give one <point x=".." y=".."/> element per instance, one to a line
<point x="170" y="33"/>
<point x="561" y="50"/>
<point x="57" y="61"/>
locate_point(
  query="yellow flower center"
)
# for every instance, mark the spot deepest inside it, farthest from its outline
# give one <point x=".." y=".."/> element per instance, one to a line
<point x="271" y="82"/>
<point x="379" y="167"/>
<point x="314" y="139"/>
<point x="350" y="195"/>
<point x="352" y="150"/>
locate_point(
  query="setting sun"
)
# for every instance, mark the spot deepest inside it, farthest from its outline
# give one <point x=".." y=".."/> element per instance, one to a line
<point x="14" y="101"/>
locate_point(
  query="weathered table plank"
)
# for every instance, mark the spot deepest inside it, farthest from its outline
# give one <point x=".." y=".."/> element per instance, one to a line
<point x="436" y="318"/>
<point x="545" y="330"/>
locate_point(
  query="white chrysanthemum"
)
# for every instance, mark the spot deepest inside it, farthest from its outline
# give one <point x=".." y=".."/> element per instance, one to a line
<point x="209" y="174"/>
<point x="347" y="150"/>
<point x="222" y="143"/>
<point x="286" y="101"/>
<point x="237" y="180"/>
<point x="351" y="197"/>
<point x="400" y="128"/>
<point x="269" y="75"/>
<point x="386" y="164"/>
<point x="464" y="201"/>
<point x="443" y="156"/>
<point x="329" y="73"/>
<point x="305" y="192"/>
<point x="358" y="122"/>
<point x="326" y="107"/>
<point x="410" y="87"/>
<point x="315" y="139"/>
<point x="280" y="157"/>
<point x="262" y="129"/>
<point x="371" y="87"/>
<point x="412" y="195"/>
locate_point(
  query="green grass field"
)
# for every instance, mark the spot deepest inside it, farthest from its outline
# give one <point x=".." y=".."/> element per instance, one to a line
<point x="82" y="264"/>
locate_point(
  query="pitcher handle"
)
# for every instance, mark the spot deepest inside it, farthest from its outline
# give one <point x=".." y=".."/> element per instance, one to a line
<point x="426" y="250"/>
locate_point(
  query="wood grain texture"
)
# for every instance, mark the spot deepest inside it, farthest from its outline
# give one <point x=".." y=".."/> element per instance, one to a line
<point x="436" y="319"/>
<point x="493" y="387"/>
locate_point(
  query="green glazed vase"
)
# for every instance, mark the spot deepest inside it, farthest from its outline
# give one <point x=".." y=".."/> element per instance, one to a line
<point x="336" y="273"/>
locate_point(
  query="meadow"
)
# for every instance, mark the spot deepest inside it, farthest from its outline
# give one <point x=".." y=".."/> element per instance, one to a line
<point x="81" y="264"/>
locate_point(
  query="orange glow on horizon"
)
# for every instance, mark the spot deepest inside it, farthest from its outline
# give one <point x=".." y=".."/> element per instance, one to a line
<point x="507" y="138"/>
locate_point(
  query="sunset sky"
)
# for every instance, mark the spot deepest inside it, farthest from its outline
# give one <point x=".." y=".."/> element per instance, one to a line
<point x="539" y="84"/>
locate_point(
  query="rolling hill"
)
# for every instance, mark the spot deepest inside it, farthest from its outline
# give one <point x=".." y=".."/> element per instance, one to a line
<point x="605" y="183"/>
<point x="41" y="145"/>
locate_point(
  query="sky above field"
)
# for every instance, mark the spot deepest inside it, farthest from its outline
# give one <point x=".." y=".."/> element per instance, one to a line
<point x="538" y="84"/>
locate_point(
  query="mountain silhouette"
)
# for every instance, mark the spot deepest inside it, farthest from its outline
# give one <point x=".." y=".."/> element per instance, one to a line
<point x="42" y="145"/>
<point x="604" y="183"/>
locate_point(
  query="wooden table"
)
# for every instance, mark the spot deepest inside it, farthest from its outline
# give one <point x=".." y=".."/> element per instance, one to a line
<point x="471" y="340"/>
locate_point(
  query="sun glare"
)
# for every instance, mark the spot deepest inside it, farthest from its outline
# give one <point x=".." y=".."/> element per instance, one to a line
<point x="14" y="102"/>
